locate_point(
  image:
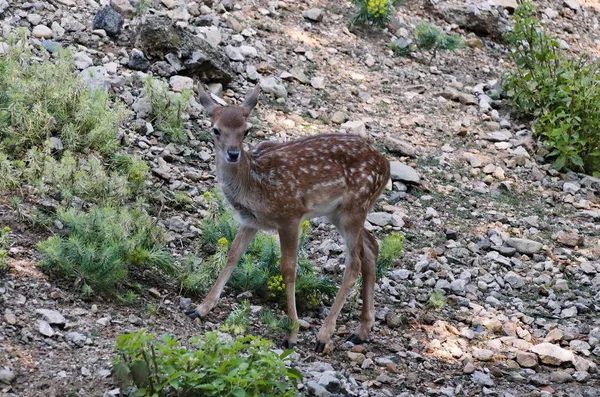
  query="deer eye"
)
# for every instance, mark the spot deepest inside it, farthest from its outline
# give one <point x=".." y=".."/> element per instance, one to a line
<point x="216" y="131"/>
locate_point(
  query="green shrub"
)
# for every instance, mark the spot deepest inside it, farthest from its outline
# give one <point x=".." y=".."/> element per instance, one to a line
<point x="561" y="94"/>
<point x="389" y="251"/>
<point x="238" y="320"/>
<point x="437" y="300"/>
<point x="376" y="12"/>
<point x="44" y="99"/>
<point x="429" y="38"/>
<point x="4" y="246"/>
<point x="168" y="109"/>
<point x="213" y="365"/>
<point x="102" y="246"/>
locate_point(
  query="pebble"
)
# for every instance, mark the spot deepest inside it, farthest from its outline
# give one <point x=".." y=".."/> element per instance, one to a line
<point x="42" y="32"/>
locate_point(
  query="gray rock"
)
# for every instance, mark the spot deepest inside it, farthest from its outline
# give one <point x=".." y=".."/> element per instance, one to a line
<point x="478" y="18"/>
<point x="379" y="218"/>
<point x="458" y="286"/>
<point x="524" y="246"/>
<point x="404" y="173"/>
<point x="160" y="38"/>
<point x="55" y="144"/>
<point x="234" y="53"/>
<point x="317" y="390"/>
<point x="526" y="360"/>
<point x="483" y="354"/>
<point x="553" y="354"/>
<point x="53" y="317"/>
<point x="482" y="379"/>
<point x="51" y="46"/>
<point x="455" y="95"/>
<point x="109" y="20"/>
<point x="499" y="136"/>
<point x="339" y="117"/>
<point x="318" y="82"/>
<point x="177" y="224"/>
<point x="180" y="83"/>
<point x="42" y="32"/>
<point x="572" y="4"/>
<point x="138" y="61"/>
<point x="123" y="7"/>
<point x="514" y="280"/>
<point x="95" y="78"/>
<point x="571" y="187"/>
<point x="7" y="376"/>
<point x="561" y="377"/>
<point x="314" y="14"/>
<point x="82" y="60"/>
<point x="399" y="147"/>
<point x="45" y="329"/>
<point x="356" y="127"/>
<point x="272" y="86"/>
<point x="330" y="382"/>
<point x="76" y="338"/>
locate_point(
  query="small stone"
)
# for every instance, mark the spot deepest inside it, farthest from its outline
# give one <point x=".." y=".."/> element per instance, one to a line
<point x="553" y="354"/>
<point x="109" y="20"/>
<point x="82" y="60"/>
<point x="180" y="83"/>
<point x="270" y="85"/>
<point x="104" y="321"/>
<point x="393" y="320"/>
<point x="138" y="61"/>
<point x="356" y="127"/>
<point x="356" y="357"/>
<point x="379" y="218"/>
<point x="524" y="246"/>
<point x="483" y="354"/>
<point x="123" y="7"/>
<point x="313" y="14"/>
<point x="135" y="320"/>
<point x="339" y="117"/>
<point x="572" y="4"/>
<point x="331" y="383"/>
<point x="154" y="293"/>
<point x="561" y="377"/>
<point x="404" y="173"/>
<point x="482" y="378"/>
<point x="10" y="318"/>
<point x="45" y="329"/>
<point x="42" y="32"/>
<point x="234" y="53"/>
<point x="569" y="239"/>
<point x="527" y="360"/>
<point x="399" y="147"/>
<point x="7" y="376"/>
<point x="76" y="338"/>
<point x="469" y="368"/>
<point x="318" y="82"/>
<point x="52" y="316"/>
<point x="85" y="372"/>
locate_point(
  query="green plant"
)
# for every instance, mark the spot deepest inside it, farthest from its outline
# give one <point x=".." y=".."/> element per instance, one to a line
<point x="561" y="94"/>
<point x="4" y="245"/>
<point x="102" y="246"/>
<point x="429" y="37"/>
<point x="389" y="251"/>
<point x="238" y="320"/>
<point x="168" y="109"/>
<point x="198" y="275"/>
<point x="376" y="12"/>
<point x="182" y="200"/>
<point x="213" y="365"/>
<point x="437" y="300"/>
<point x="47" y="99"/>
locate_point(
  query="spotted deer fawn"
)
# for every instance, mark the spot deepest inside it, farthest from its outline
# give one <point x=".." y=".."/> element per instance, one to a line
<point x="280" y="185"/>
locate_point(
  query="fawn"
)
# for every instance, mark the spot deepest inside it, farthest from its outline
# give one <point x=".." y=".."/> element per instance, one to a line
<point x="280" y="185"/>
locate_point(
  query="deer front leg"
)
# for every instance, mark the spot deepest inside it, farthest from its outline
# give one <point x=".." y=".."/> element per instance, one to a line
<point x="288" y="240"/>
<point x="238" y="247"/>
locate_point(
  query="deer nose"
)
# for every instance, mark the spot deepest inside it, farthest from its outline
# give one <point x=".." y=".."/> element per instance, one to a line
<point x="233" y="154"/>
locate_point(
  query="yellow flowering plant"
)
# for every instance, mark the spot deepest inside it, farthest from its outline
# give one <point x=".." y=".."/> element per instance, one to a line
<point x="376" y="12"/>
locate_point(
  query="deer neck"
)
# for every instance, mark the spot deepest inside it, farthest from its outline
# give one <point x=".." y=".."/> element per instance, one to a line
<point x="234" y="178"/>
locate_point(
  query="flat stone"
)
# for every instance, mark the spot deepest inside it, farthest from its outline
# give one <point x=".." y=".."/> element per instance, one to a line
<point x="379" y="218"/>
<point x="42" y="32"/>
<point x="313" y="14"/>
<point x="399" y="147"/>
<point x="53" y="317"/>
<point x="7" y="376"/>
<point x="483" y="354"/>
<point x="356" y="127"/>
<point x="524" y="246"/>
<point x="553" y="354"/>
<point x="482" y="379"/>
<point x="569" y="239"/>
<point x="45" y="329"/>
<point x="526" y="359"/>
<point x="404" y="173"/>
<point x="357" y="357"/>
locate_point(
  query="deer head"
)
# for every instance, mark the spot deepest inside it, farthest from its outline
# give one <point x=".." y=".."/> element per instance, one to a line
<point x="229" y="125"/>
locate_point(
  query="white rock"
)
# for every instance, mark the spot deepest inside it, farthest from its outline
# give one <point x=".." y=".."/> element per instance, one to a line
<point x="52" y="316"/>
<point x="553" y="354"/>
<point x="404" y="173"/>
<point x="42" y="32"/>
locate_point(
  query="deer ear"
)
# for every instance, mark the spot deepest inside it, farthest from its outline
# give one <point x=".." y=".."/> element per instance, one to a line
<point x="205" y="100"/>
<point x="251" y="100"/>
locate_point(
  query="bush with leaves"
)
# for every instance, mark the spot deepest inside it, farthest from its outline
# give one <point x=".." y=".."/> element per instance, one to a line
<point x="40" y="100"/>
<point x="429" y="38"/>
<point x="561" y="94"/>
<point x="168" y="109"/>
<point x="389" y="251"/>
<point x="376" y="12"/>
<point x="214" y="364"/>
<point x="4" y="245"/>
<point x="102" y="246"/>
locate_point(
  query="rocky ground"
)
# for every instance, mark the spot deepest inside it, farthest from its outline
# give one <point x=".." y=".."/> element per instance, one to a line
<point x="511" y="243"/>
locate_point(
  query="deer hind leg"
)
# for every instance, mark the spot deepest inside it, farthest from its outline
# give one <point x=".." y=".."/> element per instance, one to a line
<point x="288" y="240"/>
<point x="238" y="247"/>
<point x="350" y="226"/>
<point x="368" y="271"/>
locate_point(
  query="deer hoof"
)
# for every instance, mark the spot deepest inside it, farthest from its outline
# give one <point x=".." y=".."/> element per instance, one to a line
<point x="193" y="314"/>
<point x="287" y="345"/>
<point x="320" y="347"/>
<point x="354" y="338"/>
